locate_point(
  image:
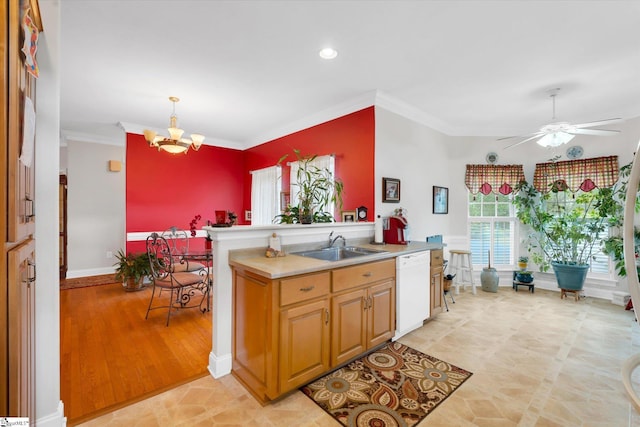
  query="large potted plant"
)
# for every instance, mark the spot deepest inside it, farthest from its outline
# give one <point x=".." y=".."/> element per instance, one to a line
<point x="317" y="189"/>
<point x="563" y="234"/>
<point x="131" y="269"/>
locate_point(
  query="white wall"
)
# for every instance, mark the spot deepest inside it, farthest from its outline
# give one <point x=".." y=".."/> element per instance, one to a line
<point x="95" y="207"/>
<point x="49" y="408"/>
<point x="417" y="155"/>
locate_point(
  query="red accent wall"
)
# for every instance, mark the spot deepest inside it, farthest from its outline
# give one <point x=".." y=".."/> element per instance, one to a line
<point x="350" y="138"/>
<point x="165" y="189"/>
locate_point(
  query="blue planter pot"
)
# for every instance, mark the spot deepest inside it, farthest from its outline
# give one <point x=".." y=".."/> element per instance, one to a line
<point x="570" y="276"/>
<point x="524" y="278"/>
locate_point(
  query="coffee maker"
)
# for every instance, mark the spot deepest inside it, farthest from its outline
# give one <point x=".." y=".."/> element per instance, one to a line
<point x="394" y="233"/>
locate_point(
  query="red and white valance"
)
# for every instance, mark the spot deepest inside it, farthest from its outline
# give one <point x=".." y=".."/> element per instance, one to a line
<point x="574" y="175"/>
<point x="493" y="178"/>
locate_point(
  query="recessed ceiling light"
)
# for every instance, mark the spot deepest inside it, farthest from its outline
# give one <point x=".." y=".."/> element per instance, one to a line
<point x="328" y="53"/>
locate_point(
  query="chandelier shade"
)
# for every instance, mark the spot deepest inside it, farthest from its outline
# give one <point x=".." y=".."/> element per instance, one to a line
<point x="175" y="143"/>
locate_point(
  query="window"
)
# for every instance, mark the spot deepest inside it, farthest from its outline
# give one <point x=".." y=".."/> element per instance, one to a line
<point x="492" y="228"/>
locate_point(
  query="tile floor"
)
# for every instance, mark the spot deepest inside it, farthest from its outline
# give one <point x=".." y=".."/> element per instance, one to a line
<point x="537" y="361"/>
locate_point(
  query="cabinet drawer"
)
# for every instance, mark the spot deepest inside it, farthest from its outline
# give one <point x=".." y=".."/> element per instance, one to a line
<point x="436" y="257"/>
<point x="351" y="277"/>
<point x="304" y="288"/>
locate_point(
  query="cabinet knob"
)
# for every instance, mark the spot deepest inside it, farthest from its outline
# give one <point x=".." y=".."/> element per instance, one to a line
<point x="367" y="274"/>
<point x="326" y="314"/>
<point x="308" y="288"/>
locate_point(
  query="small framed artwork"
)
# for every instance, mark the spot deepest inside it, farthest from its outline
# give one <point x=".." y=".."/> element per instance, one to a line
<point x="247" y="215"/>
<point x="348" y="216"/>
<point x="390" y="190"/>
<point x="440" y="200"/>
<point x="285" y="199"/>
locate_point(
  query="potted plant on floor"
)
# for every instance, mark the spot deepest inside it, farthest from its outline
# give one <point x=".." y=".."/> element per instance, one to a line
<point x="131" y="269"/>
<point x="563" y="234"/>
<point x="317" y="189"/>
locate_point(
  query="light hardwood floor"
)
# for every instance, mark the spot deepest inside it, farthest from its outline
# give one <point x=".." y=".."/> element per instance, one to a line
<point x="536" y="360"/>
<point x="111" y="355"/>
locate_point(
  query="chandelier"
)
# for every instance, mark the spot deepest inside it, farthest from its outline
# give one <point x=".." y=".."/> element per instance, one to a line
<point x="174" y="144"/>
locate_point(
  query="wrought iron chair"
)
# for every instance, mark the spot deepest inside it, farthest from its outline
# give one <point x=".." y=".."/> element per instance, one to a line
<point x="184" y="286"/>
<point x="179" y="241"/>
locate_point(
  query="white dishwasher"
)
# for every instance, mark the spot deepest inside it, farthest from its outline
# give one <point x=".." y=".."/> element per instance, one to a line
<point x="412" y="292"/>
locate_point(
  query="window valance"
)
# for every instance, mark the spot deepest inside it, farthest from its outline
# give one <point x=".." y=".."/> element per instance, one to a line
<point x="493" y="178"/>
<point x="574" y="175"/>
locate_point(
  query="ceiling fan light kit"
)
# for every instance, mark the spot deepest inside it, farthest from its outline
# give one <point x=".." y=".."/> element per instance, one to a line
<point x="175" y="144"/>
<point x="559" y="133"/>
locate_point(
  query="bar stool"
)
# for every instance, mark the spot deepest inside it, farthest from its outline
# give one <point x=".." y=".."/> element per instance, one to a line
<point x="462" y="266"/>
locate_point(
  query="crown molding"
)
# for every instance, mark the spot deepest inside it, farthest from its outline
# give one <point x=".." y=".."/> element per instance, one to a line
<point x="347" y="107"/>
<point x="410" y="112"/>
<point x="138" y="129"/>
<point x="69" y="135"/>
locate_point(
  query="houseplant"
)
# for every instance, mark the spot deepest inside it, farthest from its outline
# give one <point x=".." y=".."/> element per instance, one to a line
<point x="131" y="269"/>
<point x="564" y="233"/>
<point x="523" y="261"/>
<point x="317" y="189"/>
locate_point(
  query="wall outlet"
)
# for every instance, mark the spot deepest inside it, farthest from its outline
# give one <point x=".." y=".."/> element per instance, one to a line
<point x="109" y="254"/>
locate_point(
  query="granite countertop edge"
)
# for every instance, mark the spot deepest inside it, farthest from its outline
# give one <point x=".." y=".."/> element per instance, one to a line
<point x="255" y="261"/>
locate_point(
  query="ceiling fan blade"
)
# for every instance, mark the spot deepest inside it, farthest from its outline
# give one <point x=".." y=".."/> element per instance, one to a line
<point x="529" y="135"/>
<point x="523" y="141"/>
<point x="599" y="132"/>
<point x="597" y="123"/>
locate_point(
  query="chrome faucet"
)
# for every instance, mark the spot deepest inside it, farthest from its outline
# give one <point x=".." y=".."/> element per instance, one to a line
<point x="339" y="236"/>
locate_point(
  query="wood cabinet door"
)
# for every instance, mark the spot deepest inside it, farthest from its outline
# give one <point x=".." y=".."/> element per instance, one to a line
<point x="21" y="172"/>
<point x="304" y="343"/>
<point x="348" y="326"/>
<point x="381" y="309"/>
<point x="21" y="303"/>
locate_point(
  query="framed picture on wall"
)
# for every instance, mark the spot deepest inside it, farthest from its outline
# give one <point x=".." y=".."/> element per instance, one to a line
<point x="440" y="200"/>
<point x="390" y="190"/>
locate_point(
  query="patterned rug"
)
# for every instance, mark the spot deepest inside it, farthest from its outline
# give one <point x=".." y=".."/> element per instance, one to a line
<point x="393" y="386"/>
<point x="84" y="282"/>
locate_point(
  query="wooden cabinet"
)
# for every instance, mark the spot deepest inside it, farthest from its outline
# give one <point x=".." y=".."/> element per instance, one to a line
<point x="281" y="331"/>
<point x="363" y="317"/>
<point x="22" y="278"/>
<point x="17" y="183"/>
<point x="289" y="331"/>
<point x="304" y="329"/>
<point x="437" y="279"/>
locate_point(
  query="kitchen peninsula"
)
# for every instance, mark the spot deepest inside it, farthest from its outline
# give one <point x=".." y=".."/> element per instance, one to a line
<point x="239" y="251"/>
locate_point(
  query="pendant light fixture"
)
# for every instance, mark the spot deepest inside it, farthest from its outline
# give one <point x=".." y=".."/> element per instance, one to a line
<point x="174" y="144"/>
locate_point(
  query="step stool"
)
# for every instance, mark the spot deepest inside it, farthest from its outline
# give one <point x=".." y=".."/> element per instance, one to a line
<point x="462" y="266"/>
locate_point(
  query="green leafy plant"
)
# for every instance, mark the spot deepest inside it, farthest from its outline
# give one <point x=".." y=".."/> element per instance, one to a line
<point x="563" y="232"/>
<point x="613" y="245"/>
<point x="132" y="267"/>
<point x="317" y="189"/>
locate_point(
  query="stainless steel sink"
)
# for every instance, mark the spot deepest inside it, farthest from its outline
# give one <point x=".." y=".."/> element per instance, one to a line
<point x="338" y="253"/>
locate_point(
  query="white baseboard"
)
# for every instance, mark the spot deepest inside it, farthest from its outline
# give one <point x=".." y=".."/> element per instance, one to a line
<point x="72" y="274"/>
<point x="57" y="419"/>
<point x="219" y="366"/>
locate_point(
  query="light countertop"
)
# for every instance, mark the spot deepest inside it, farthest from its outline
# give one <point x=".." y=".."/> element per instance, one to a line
<point x="254" y="259"/>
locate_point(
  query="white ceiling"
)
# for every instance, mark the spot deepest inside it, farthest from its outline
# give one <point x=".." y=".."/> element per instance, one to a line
<point x="249" y="71"/>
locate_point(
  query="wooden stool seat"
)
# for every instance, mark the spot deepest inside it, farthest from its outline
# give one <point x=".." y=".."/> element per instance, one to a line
<point x="462" y="266"/>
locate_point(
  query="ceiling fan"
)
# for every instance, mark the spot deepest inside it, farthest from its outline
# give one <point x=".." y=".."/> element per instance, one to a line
<point x="558" y="133"/>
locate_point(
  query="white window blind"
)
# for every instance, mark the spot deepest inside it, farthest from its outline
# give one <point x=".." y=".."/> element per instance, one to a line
<point x="492" y="230"/>
<point x="265" y="195"/>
